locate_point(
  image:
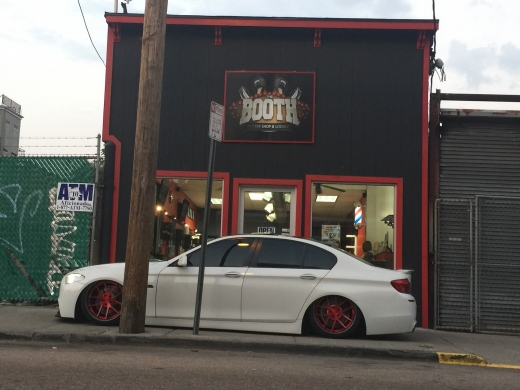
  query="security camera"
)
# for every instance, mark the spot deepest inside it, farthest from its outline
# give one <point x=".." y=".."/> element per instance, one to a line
<point x="439" y="63"/>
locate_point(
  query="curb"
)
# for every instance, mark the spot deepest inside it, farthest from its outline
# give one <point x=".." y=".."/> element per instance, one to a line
<point x="207" y="343"/>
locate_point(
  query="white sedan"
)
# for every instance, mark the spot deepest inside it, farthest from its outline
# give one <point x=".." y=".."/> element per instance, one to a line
<point x="259" y="283"/>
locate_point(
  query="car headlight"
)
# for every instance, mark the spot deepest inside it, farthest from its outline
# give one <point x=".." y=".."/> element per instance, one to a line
<point x="72" y="278"/>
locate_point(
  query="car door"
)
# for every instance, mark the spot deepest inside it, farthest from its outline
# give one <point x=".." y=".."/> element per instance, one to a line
<point x="277" y="283"/>
<point x="225" y="266"/>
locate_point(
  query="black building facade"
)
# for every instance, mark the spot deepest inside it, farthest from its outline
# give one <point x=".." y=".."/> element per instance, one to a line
<point x="326" y="121"/>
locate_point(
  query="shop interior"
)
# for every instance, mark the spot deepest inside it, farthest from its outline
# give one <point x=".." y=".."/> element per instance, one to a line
<point x="179" y="215"/>
<point x="358" y="218"/>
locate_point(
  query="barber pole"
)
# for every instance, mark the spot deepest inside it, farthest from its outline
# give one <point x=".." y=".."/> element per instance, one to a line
<point x="358" y="217"/>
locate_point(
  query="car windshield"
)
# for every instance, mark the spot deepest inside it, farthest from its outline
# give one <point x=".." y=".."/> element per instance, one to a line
<point x="340" y="250"/>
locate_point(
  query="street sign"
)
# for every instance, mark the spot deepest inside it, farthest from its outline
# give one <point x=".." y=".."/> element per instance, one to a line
<point x="216" y="121"/>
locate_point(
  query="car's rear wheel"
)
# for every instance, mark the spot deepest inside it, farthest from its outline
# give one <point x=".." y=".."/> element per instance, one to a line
<point x="101" y="302"/>
<point x="334" y="316"/>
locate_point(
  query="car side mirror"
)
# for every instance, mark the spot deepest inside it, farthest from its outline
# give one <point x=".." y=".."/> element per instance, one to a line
<point x="183" y="261"/>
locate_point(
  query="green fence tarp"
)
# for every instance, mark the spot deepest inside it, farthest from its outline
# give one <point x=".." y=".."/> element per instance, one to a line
<point x="39" y="244"/>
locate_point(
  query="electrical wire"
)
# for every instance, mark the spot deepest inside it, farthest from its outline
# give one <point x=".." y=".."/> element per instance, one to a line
<point x="88" y="32"/>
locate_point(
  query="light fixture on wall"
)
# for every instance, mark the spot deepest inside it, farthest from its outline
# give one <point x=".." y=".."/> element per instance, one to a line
<point x="389" y="220"/>
<point x="271" y="217"/>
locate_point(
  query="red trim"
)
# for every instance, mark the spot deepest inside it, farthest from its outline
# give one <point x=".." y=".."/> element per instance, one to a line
<point x="396" y="181"/>
<point x="364" y="24"/>
<point x="424" y="189"/>
<point x="271" y="142"/>
<point x="224" y="176"/>
<point x="108" y="137"/>
<point x="272" y="183"/>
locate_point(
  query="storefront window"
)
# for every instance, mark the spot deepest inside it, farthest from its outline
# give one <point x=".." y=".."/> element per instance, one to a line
<point x="179" y="215"/>
<point x="266" y="210"/>
<point x="358" y="218"/>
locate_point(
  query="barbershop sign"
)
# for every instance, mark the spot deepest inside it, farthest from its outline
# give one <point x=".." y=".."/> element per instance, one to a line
<point x="269" y="107"/>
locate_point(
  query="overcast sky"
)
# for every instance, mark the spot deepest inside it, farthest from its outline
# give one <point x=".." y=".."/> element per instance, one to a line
<point x="49" y="66"/>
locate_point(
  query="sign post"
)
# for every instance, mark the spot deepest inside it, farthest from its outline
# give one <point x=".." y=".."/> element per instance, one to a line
<point x="215" y="133"/>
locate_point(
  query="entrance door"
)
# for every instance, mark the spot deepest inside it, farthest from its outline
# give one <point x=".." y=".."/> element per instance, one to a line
<point x="267" y="209"/>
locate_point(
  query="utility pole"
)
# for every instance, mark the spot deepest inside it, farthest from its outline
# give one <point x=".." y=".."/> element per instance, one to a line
<point x="142" y="195"/>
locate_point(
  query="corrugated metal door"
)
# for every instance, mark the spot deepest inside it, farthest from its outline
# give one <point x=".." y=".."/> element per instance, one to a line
<point x="497" y="254"/>
<point x="480" y="166"/>
<point x="479" y="159"/>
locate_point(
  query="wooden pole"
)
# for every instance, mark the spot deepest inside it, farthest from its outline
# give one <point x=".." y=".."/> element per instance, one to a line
<point x="142" y="201"/>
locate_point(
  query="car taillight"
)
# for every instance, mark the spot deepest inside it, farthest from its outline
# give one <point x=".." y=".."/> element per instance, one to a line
<point x="402" y="285"/>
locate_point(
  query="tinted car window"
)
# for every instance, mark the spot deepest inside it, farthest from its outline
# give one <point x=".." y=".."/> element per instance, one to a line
<point x="225" y="253"/>
<point x="317" y="258"/>
<point x="280" y="254"/>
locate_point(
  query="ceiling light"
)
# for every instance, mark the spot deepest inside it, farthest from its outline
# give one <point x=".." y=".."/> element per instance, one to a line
<point x="269" y="208"/>
<point x="256" y="195"/>
<point x="325" y="198"/>
<point x="287" y="197"/>
<point x="216" y="200"/>
<point x="243" y="244"/>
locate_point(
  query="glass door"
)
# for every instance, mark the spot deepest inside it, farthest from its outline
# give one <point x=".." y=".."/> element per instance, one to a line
<point x="267" y="209"/>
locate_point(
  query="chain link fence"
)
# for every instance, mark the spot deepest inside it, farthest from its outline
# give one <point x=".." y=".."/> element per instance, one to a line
<point x="39" y="244"/>
<point x="477" y="264"/>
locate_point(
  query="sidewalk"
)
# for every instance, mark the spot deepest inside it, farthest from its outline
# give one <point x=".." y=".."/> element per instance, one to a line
<point x="38" y="323"/>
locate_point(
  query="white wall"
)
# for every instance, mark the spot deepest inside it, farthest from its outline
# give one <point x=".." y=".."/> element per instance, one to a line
<point x="380" y="203"/>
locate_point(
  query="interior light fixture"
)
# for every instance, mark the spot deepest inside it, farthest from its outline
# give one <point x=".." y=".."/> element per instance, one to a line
<point x="271" y="217"/>
<point x="166" y="213"/>
<point x="216" y="201"/>
<point x="269" y="208"/>
<point x="326" y="198"/>
<point x="287" y="197"/>
<point x="243" y="244"/>
<point x="267" y="196"/>
<point x="158" y="208"/>
<point x="256" y="195"/>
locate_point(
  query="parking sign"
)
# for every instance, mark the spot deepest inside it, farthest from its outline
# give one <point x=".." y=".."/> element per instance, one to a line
<point x="216" y="120"/>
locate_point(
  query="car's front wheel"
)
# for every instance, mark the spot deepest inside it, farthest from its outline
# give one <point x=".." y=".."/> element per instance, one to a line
<point x="334" y="316"/>
<point x="101" y="302"/>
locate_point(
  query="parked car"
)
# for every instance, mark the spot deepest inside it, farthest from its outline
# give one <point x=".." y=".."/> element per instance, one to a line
<point x="261" y="283"/>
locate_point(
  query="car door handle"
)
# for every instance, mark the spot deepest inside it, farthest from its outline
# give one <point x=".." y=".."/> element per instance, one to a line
<point x="308" y="276"/>
<point x="232" y="274"/>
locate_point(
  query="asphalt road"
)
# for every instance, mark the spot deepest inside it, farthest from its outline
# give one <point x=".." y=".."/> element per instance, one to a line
<point x="82" y="366"/>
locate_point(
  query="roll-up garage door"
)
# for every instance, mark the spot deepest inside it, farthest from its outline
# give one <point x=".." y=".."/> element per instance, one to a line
<point x="479" y="159"/>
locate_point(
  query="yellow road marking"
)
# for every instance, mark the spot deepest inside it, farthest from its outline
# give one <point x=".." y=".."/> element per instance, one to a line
<point x="468" y="359"/>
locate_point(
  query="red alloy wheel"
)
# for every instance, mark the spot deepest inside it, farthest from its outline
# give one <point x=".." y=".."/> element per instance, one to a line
<point x="103" y="301"/>
<point x="334" y="314"/>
